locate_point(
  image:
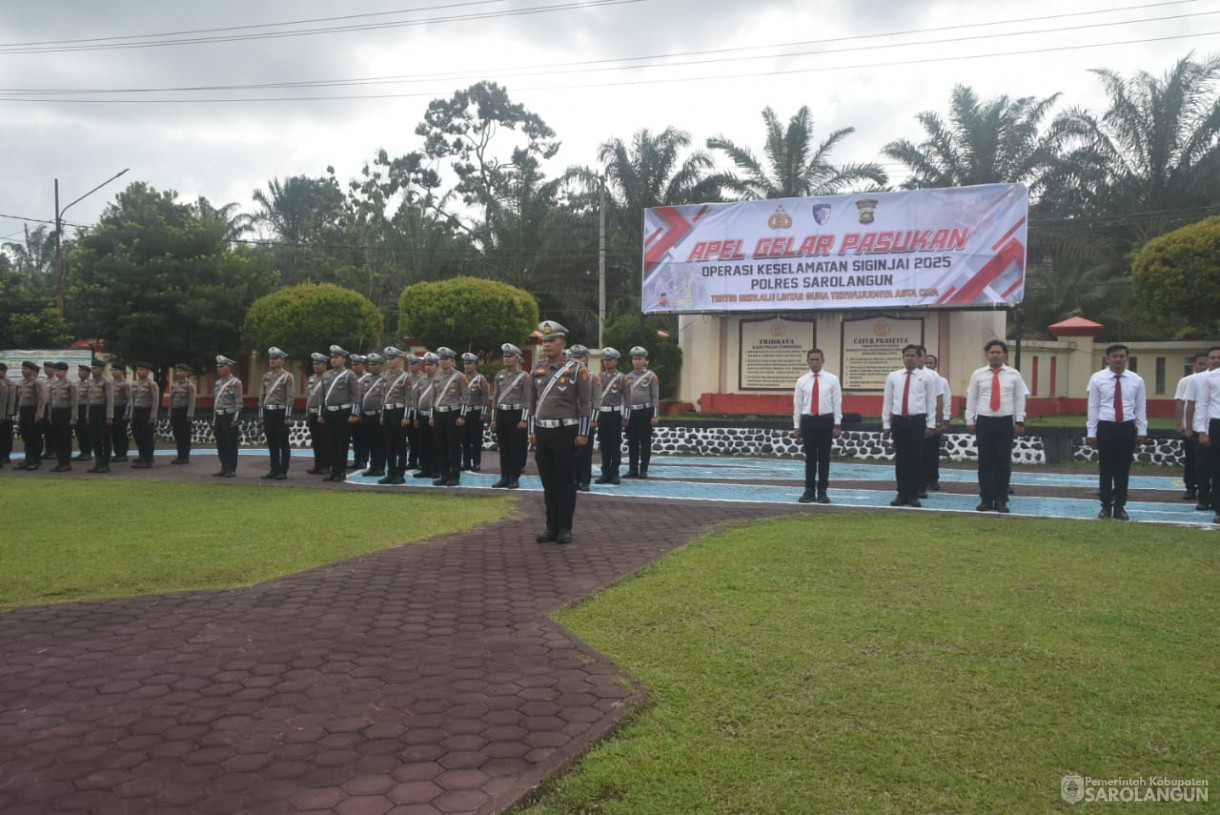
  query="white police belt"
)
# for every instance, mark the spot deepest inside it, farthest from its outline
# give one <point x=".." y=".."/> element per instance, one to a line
<point x="372" y="412"/>
<point x="337" y="408"/>
<point x="447" y="408"/>
<point x="314" y="411"/>
<point x="508" y="407"/>
<point x="610" y="408"/>
<point x="644" y="406"/>
<point x="274" y="407"/>
<point x="550" y="424"/>
<point x="476" y="407"/>
<point x="224" y="412"/>
<point x="395" y="405"/>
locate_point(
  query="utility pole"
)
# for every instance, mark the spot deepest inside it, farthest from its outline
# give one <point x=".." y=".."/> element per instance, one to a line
<point x="59" y="238"/>
<point x="601" y="262"/>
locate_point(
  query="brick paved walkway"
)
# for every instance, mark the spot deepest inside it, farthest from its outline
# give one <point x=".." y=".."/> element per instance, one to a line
<point x="422" y="679"/>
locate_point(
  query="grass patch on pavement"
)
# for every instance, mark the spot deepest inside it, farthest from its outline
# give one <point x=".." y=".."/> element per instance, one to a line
<point x="73" y="541"/>
<point x="877" y="663"/>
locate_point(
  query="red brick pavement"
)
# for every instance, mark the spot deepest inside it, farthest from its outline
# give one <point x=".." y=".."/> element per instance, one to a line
<point x="422" y="679"/>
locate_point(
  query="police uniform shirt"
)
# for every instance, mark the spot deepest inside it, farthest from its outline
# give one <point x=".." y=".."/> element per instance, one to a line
<point x="476" y="391"/>
<point x="423" y="395"/>
<point x="450" y="390"/>
<point x="1134" y="396"/>
<point x="374" y="394"/>
<point x="644" y="390"/>
<point x="228" y="395"/>
<point x="397" y="390"/>
<point x="32" y="392"/>
<point x="415" y="388"/>
<point x="921" y="397"/>
<point x="946" y="395"/>
<point x="122" y="393"/>
<point x="63" y="394"/>
<point x="511" y="389"/>
<point x="569" y="397"/>
<point x="313" y="393"/>
<point x="101" y="392"/>
<point x="340" y="387"/>
<point x="6" y="399"/>
<point x="612" y="393"/>
<point x="182" y="394"/>
<point x="1013" y="393"/>
<point x="595" y="390"/>
<point x="277" y="390"/>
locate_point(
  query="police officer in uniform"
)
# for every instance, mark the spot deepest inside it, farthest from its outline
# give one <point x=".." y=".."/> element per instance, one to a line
<point x="8" y="406"/>
<point x="393" y="419"/>
<point x="182" y="397"/>
<point x="84" y="438"/>
<point x="584" y="455"/>
<point x="612" y="412"/>
<point x="371" y="401"/>
<point x="122" y="395"/>
<point x="31" y="410"/>
<point x="360" y="449"/>
<point x="142" y="413"/>
<point x="421" y="419"/>
<point x="560" y="406"/>
<point x="340" y="396"/>
<point x="415" y="377"/>
<point x="507" y="416"/>
<point x="63" y="398"/>
<point x="275" y="410"/>
<point x="476" y="404"/>
<point x="101" y="416"/>
<point x="644" y="400"/>
<point x="227" y="400"/>
<point x="450" y="393"/>
<point x="313" y="407"/>
<point x="44" y="423"/>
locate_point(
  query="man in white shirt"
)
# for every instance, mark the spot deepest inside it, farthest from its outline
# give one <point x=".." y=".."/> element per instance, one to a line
<point x="1206" y="423"/>
<point x="1117" y="424"/>
<point x="930" y="471"/>
<point x="817" y="419"/>
<point x="908" y="414"/>
<point x="1202" y="469"/>
<point x="995" y="412"/>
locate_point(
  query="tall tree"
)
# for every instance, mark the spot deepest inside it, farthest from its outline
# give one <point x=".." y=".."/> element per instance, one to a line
<point x="998" y="141"/>
<point x="793" y="167"/>
<point x="306" y="216"/>
<point x="34" y="257"/>
<point x="237" y="223"/>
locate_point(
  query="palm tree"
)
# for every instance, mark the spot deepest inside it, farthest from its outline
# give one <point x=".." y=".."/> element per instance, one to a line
<point x="1153" y="153"/>
<point x="794" y="168"/>
<point x="1000" y="141"/>
<point x="34" y="257"/>
<point x="236" y="224"/>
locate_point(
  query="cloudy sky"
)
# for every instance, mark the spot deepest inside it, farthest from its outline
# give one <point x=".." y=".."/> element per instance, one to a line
<point x="80" y="103"/>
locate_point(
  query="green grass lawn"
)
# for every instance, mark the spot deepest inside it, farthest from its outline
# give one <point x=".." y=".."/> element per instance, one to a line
<point x="74" y="541"/>
<point x="871" y="663"/>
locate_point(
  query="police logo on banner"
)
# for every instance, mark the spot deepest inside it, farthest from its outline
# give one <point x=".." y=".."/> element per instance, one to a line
<point x="821" y="213"/>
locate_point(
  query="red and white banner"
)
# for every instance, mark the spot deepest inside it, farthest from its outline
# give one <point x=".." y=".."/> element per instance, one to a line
<point x="958" y="247"/>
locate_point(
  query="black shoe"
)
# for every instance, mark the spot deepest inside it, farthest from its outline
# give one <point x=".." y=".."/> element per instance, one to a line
<point x="898" y="502"/>
<point x="548" y="536"/>
<point x="921" y="494"/>
<point x="631" y="474"/>
<point x="440" y="482"/>
<point x="605" y="479"/>
<point x="1203" y="506"/>
<point x="453" y="482"/>
<point x="1105" y="514"/>
<point x="220" y="474"/>
<point x="140" y="465"/>
<point x="373" y="473"/>
<point x="503" y="482"/>
<point x="615" y="481"/>
<point x="582" y="487"/>
<point x="230" y="474"/>
<point x="465" y="468"/>
<point x="806" y="497"/>
<point x="1120" y="514"/>
<point x="352" y="465"/>
<point x="823" y="498"/>
<point x="388" y="479"/>
<point x="934" y="486"/>
<point x="62" y="468"/>
<point x="179" y="460"/>
<point x="474" y="468"/>
<point x="514" y="485"/>
<point x="1191" y="494"/>
<point x="94" y="468"/>
<point x="105" y="468"/>
<point x="565" y="536"/>
<point x="984" y="506"/>
<point x="422" y="474"/>
<point x="280" y="476"/>
<point x="49" y="457"/>
<point x="82" y="457"/>
<point x="1002" y="509"/>
<point x="118" y="459"/>
<point x="914" y="502"/>
<point x="317" y="471"/>
<point x="398" y="479"/>
<point x="268" y="476"/>
<point x="643" y="472"/>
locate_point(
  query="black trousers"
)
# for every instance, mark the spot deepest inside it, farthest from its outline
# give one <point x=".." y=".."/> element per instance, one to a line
<point x="6" y="440"/>
<point x="374" y="440"/>
<point x="1189" y="448"/>
<point x="555" y="455"/>
<point x="1115" y="447"/>
<point x="318" y="443"/>
<point x="181" y="426"/>
<point x="394" y="439"/>
<point x="448" y="444"/>
<point x="226" y="441"/>
<point x="993" y="437"/>
<point x="31" y="434"/>
<point x="84" y="434"/>
<point x="277" y="439"/>
<point x="929" y="468"/>
<point x="46" y="446"/>
<point x="908" y="453"/>
<point x="414" y="444"/>
<point x="99" y="431"/>
<point x="360" y="445"/>
<point x="338" y="433"/>
<point x="425" y="439"/>
<point x="144" y="434"/>
<point x="610" y="440"/>
<point x="817" y="437"/>
<point x="1212" y="457"/>
<point x="472" y="439"/>
<point x="639" y="439"/>
<point x="118" y="432"/>
<point x="61" y="435"/>
<point x="513" y="442"/>
<point x="1205" y="462"/>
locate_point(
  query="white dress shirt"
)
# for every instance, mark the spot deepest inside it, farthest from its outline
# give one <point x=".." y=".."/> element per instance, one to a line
<point x="1101" y="401"/>
<point x="1013" y="393"/>
<point x="921" y="399"/>
<point x="830" y="397"/>
<point x="1179" y="395"/>
<point x="1205" y="388"/>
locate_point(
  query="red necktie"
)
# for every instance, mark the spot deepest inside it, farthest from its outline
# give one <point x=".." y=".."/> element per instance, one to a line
<point x="813" y="400"/>
<point x="1118" y="398"/>
<point x="906" y="393"/>
<point x="995" y="390"/>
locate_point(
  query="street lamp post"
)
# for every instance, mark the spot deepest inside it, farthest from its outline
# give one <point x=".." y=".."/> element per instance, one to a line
<point x="59" y="233"/>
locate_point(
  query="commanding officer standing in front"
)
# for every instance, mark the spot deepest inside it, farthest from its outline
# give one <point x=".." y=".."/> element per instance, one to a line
<point x="612" y="412"/>
<point x="1117" y="424"/>
<point x="908" y="413"/>
<point x="182" y="398"/>
<point x="584" y="455"/>
<point x="145" y="402"/>
<point x="227" y="402"/>
<point x="63" y="397"/>
<point x="560" y="404"/>
<point x="995" y="412"/>
<point x="508" y="416"/>
<point x="275" y="409"/>
<point x="449" y="401"/>
<point x="476" y="403"/>
<point x="313" y="407"/>
<point x="817" y="418"/>
<point x="122" y="395"/>
<point x="101" y="416"/>
<point x="644" y="399"/>
<point x="340" y="395"/>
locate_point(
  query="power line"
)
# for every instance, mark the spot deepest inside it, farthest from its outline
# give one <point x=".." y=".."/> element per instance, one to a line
<point x="616" y="64"/>
<point x="636" y="82"/>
